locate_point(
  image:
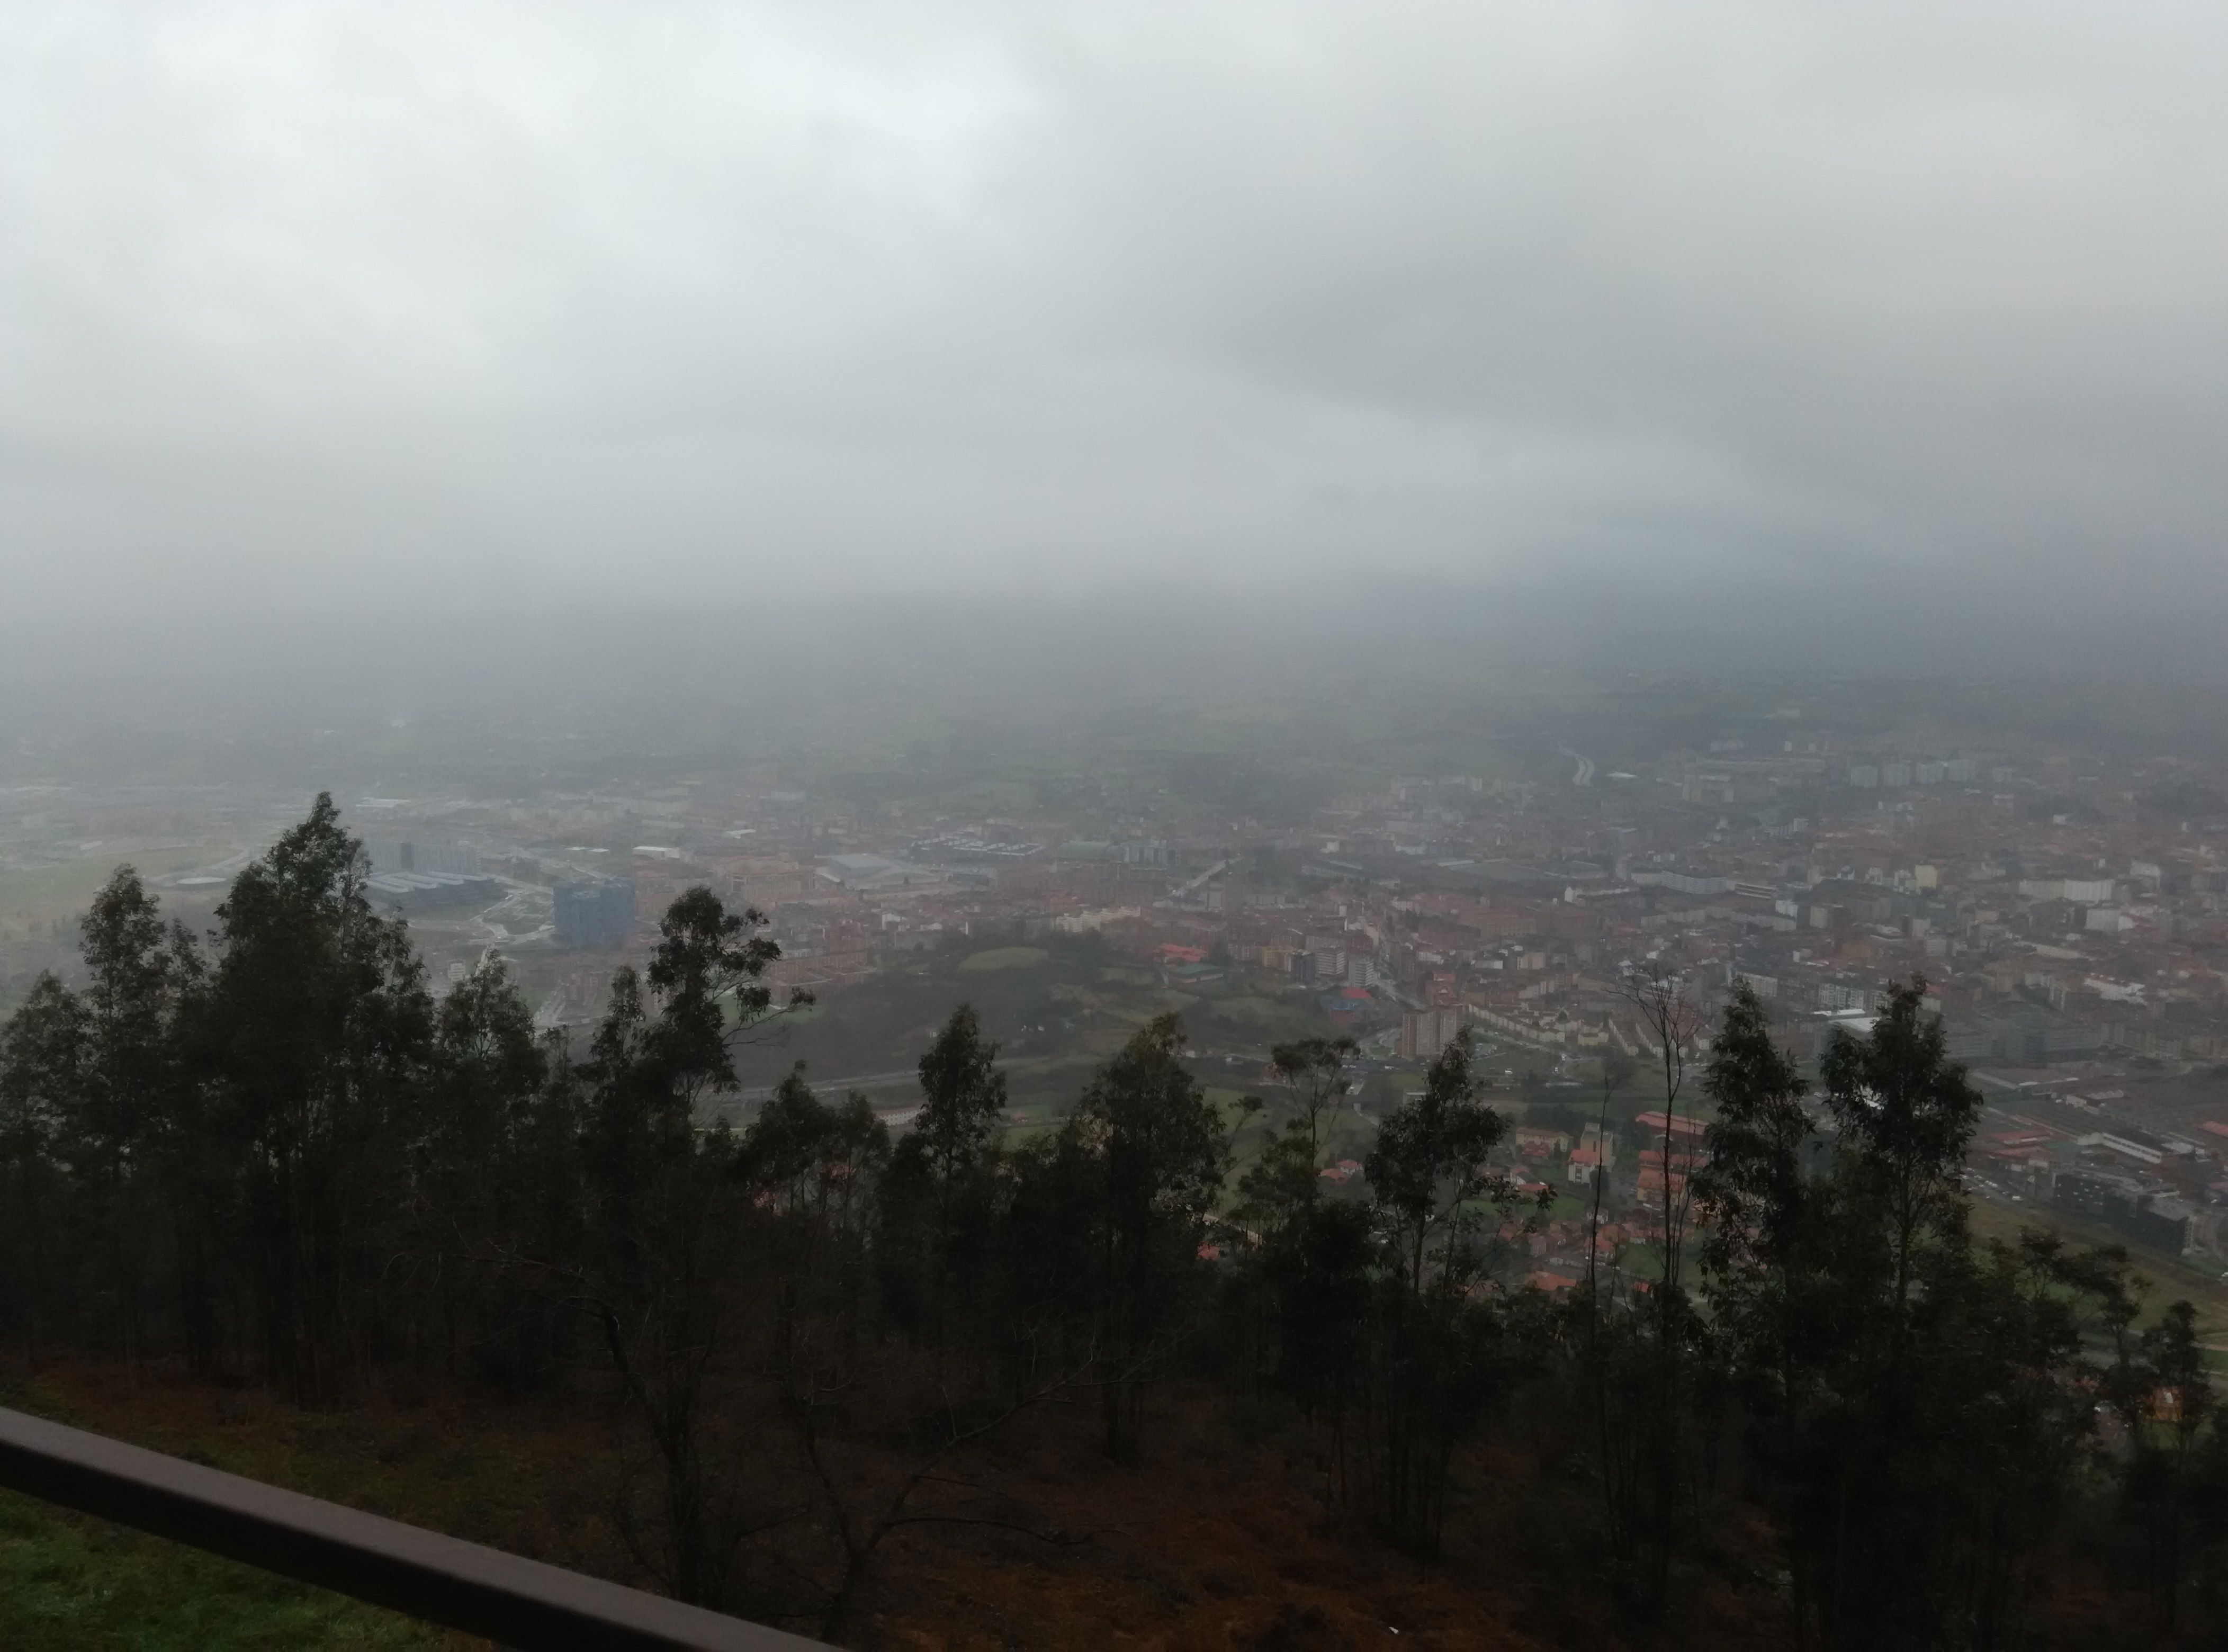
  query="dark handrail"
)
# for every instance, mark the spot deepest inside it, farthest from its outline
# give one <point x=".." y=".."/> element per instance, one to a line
<point x="444" y="1580"/>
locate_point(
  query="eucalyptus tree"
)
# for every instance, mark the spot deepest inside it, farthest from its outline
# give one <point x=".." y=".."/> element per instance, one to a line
<point x="1145" y="1154"/>
<point x="1905" y="1112"/>
<point x="665" y="1264"/>
<point x="1297" y="1298"/>
<point x="937" y="1207"/>
<point x="138" y="1110"/>
<point x="1916" y="1399"/>
<point x="46" y="1054"/>
<point x="315" y="1039"/>
<point x="496" y="1172"/>
<point x="1436" y="1355"/>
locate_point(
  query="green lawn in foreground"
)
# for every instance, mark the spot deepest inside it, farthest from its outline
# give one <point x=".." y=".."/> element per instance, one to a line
<point x="67" y="1582"/>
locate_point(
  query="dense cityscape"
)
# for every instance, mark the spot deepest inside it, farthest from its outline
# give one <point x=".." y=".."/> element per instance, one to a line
<point x="2069" y="912"/>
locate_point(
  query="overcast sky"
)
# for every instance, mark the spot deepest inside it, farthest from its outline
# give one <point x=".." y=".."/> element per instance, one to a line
<point x="663" y="301"/>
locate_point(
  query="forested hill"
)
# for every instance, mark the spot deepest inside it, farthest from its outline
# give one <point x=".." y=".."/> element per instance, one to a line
<point x="957" y="1385"/>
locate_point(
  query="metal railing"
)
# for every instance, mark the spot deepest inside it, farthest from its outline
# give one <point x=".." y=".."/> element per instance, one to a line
<point x="444" y="1580"/>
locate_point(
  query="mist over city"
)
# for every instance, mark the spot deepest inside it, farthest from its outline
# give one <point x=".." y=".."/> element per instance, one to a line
<point x="1051" y="826"/>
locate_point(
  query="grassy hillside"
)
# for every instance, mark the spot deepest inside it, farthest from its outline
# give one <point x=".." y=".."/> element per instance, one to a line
<point x="1220" y="1538"/>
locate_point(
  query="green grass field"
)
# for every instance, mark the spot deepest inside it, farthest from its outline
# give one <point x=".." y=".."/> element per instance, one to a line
<point x="63" y="889"/>
<point x="68" y="1582"/>
<point x="1003" y="958"/>
<point x="2165" y="1280"/>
